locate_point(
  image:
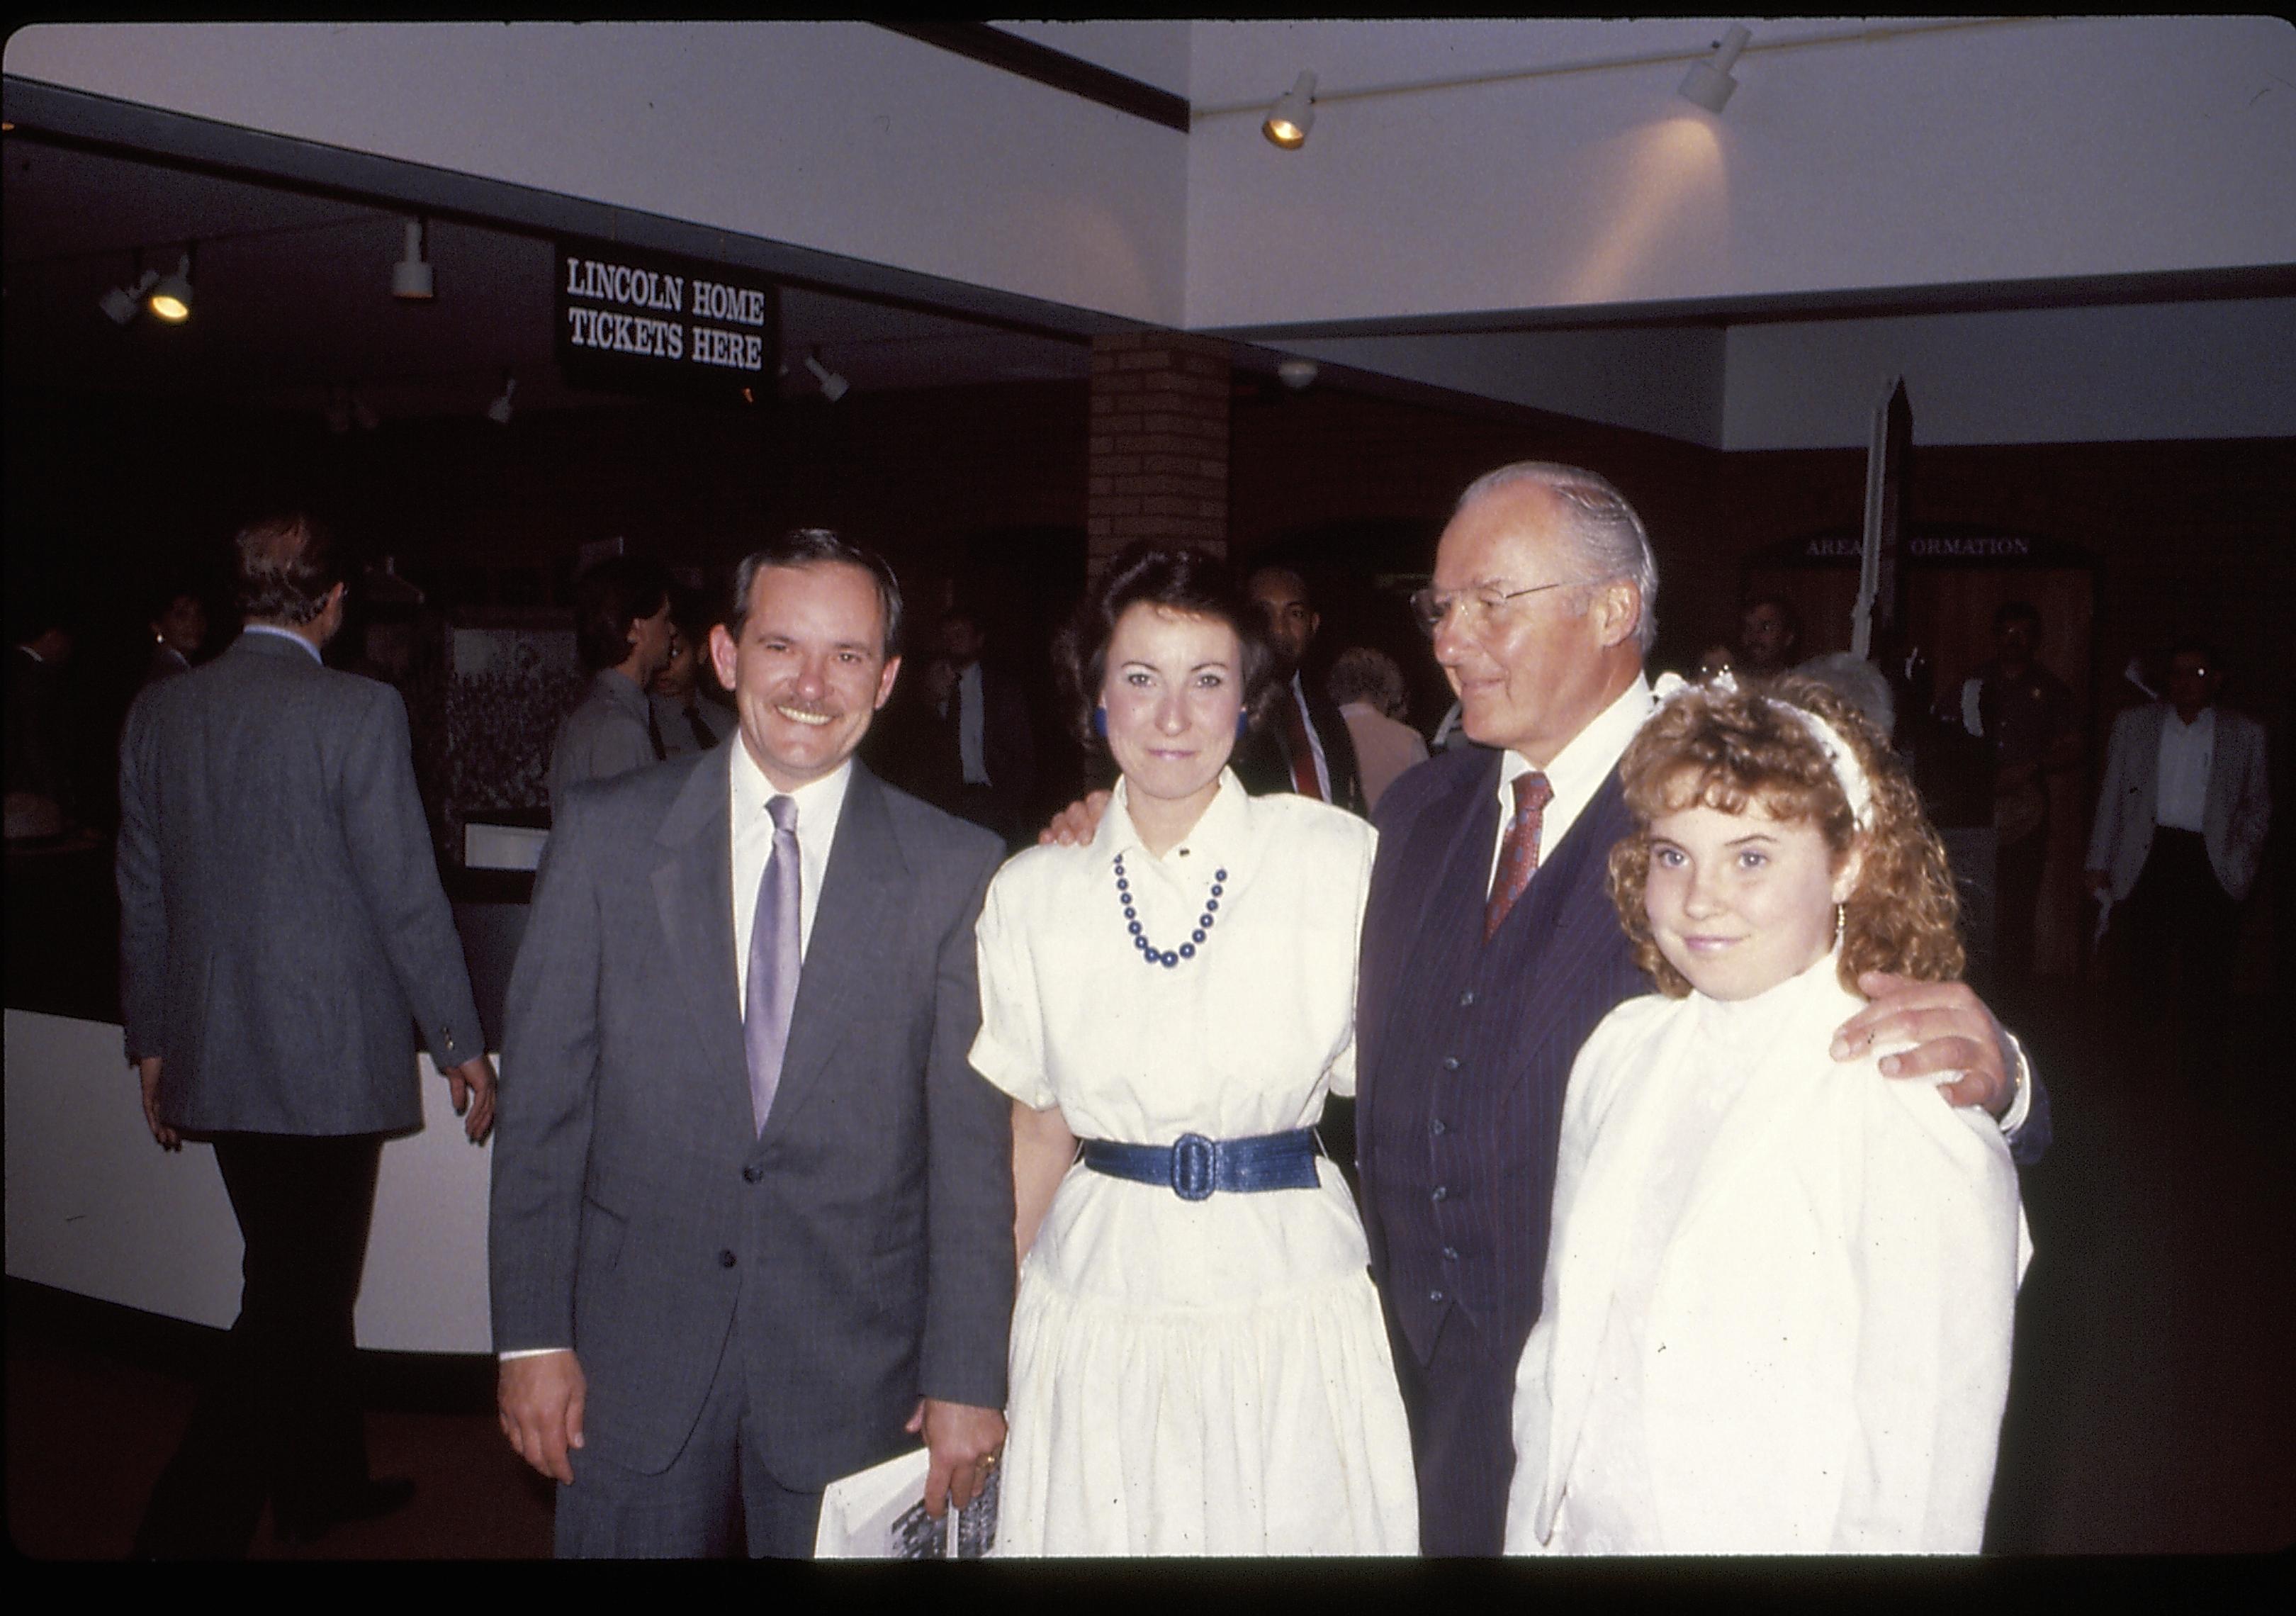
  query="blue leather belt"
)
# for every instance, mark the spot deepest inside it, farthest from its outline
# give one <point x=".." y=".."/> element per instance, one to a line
<point x="1195" y="1167"/>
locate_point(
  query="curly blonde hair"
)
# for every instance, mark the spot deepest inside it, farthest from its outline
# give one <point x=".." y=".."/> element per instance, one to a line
<point x="1723" y="748"/>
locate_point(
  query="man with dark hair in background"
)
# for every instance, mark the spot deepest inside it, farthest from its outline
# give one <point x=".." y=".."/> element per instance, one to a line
<point x="981" y="761"/>
<point x="1302" y="745"/>
<point x="283" y="936"/>
<point x="622" y="634"/>
<point x="2024" y="714"/>
<point x="1769" y="635"/>
<point x="686" y="711"/>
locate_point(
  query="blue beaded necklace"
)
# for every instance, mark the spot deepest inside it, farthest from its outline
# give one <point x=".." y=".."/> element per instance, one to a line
<point x="1167" y="957"/>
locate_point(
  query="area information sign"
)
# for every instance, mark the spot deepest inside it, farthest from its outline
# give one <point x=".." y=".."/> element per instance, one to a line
<point x="631" y="321"/>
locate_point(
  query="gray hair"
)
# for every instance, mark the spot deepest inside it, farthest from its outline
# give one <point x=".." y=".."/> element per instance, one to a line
<point x="1857" y="681"/>
<point x="1361" y="674"/>
<point x="810" y="547"/>
<point x="1605" y="536"/>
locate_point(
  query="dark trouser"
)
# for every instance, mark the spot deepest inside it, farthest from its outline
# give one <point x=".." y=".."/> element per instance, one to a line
<point x="1460" y="1406"/>
<point x="281" y="1417"/>
<point x="2182" y="928"/>
<point x="716" y="1497"/>
<point x="2016" y="901"/>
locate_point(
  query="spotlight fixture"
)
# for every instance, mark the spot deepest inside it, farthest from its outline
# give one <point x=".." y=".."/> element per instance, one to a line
<point x="832" y="385"/>
<point x="1295" y="373"/>
<point x="410" y="277"/>
<point x="124" y="303"/>
<point x="498" y="412"/>
<point x="1293" y="114"/>
<point x="171" y="299"/>
<point x="1708" y="84"/>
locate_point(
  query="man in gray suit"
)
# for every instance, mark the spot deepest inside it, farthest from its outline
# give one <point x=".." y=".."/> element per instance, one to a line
<point x="283" y="936"/>
<point x="752" y="1210"/>
<point x="2180" y="825"/>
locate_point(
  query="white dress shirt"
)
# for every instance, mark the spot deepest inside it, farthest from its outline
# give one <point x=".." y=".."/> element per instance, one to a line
<point x="2186" y="750"/>
<point x="819" y="806"/>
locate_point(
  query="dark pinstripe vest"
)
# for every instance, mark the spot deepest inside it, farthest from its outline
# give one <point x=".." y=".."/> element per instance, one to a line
<point x="1464" y="1049"/>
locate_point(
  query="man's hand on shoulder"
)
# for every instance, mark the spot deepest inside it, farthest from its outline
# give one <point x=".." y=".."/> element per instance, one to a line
<point x="965" y="1443"/>
<point x="473" y="1085"/>
<point x="1075" y="824"/>
<point x="1950" y="1029"/>
<point x="539" y="1401"/>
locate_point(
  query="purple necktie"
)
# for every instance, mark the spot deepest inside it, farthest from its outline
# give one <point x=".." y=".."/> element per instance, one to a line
<point x="773" y="963"/>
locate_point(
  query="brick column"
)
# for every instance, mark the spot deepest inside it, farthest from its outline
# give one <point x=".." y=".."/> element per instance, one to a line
<point x="1156" y="462"/>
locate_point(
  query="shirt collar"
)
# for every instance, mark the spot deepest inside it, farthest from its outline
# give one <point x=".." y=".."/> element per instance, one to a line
<point x="818" y="803"/>
<point x="1223" y="828"/>
<point x="1578" y="769"/>
<point x="288" y="634"/>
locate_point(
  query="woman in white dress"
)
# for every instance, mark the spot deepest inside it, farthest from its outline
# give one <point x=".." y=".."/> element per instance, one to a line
<point x="1198" y="1365"/>
<point x="1779" y="1288"/>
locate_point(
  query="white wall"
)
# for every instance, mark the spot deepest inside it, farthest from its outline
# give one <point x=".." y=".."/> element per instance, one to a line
<point x="2032" y="149"/>
<point x="2060" y="375"/>
<point x="837" y="136"/>
<point x="95" y="1206"/>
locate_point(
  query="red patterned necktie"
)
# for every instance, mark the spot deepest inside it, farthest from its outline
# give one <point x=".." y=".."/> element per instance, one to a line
<point x="1519" y="853"/>
<point x="1296" y="743"/>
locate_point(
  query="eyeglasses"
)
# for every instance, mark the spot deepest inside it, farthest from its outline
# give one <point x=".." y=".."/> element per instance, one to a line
<point x="1478" y="607"/>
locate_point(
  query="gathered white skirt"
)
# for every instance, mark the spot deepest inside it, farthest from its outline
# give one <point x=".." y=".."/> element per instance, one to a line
<point x="1203" y="1378"/>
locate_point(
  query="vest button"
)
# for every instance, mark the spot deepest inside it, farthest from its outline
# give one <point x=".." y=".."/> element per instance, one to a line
<point x="1450" y="1253"/>
<point x="1437" y="1128"/>
<point x="726" y="1259"/>
<point x="753" y="1173"/>
<point x="1438" y="1191"/>
<point x="1450" y="1063"/>
<point x="1434" y="1296"/>
<point x="1467" y="998"/>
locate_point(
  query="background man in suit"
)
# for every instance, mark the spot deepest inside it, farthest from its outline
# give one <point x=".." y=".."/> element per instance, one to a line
<point x="283" y="935"/>
<point x="1491" y="950"/>
<point x="1303" y="744"/>
<point x="982" y="760"/>
<point x="752" y="1221"/>
<point x="688" y="714"/>
<point x="622" y="634"/>
<point x="2181" y="825"/>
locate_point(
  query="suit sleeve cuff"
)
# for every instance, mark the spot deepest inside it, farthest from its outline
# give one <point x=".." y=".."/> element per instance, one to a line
<point x="503" y="1358"/>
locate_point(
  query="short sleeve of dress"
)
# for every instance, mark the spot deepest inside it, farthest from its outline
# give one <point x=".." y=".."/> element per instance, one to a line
<point x="1342" y="1074"/>
<point x="1010" y="1049"/>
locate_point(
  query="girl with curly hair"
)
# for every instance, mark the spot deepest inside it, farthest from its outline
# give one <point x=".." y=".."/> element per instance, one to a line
<point x="1779" y="1288"/>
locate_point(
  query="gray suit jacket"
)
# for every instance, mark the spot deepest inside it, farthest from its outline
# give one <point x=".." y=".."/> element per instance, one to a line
<point x="283" y="931"/>
<point x="2237" y="814"/>
<point x="867" y="1235"/>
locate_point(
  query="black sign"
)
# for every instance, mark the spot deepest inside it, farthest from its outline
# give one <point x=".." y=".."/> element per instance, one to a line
<point x="640" y="322"/>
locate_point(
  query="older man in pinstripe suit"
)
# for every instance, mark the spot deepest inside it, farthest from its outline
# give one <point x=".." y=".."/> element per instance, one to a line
<point x="1491" y="950"/>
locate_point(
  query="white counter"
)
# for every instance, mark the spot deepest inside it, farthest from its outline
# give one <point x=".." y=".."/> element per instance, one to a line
<point x="95" y="1207"/>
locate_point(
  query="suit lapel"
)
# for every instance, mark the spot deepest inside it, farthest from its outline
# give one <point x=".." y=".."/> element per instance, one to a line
<point x="1455" y="826"/>
<point x="693" y="898"/>
<point x="860" y="903"/>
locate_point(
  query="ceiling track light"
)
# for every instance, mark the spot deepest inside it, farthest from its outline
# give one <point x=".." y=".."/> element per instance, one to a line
<point x="1288" y="121"/>
<point x="833" y="386"/>
<point x="1708" y="84"/>
<point x="124" y="303"/>
<point x="171" y="299"/>
<point x="410" y="277"/>
<point x="498" y="412"/>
